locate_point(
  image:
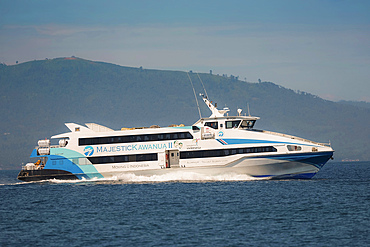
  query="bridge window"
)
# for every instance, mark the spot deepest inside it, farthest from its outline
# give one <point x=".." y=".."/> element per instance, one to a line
<point x="213" y="125"/>
<point x="232" y="124"/>
<point x="247" y="124"/>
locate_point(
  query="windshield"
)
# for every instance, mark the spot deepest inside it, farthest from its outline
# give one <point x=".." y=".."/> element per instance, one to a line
<point x="232" y="124"/>
<point x="213" y="125"/>
<point x="247" y="124"/>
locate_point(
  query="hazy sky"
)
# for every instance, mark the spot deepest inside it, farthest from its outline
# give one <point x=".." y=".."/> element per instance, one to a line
<point x="318" y="46"/>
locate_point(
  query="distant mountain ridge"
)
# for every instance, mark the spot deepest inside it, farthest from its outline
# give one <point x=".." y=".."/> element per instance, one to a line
<point x="38" y="97"/>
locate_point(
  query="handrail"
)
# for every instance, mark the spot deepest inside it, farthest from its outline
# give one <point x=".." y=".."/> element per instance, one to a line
<point x="33" y="168"/>
<point x="51" y="146"/>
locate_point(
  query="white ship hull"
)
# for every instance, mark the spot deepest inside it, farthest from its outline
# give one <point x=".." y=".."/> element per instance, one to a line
<point x="302" y="166"/>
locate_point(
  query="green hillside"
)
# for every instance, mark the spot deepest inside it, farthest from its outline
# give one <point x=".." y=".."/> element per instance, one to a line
<point x="38" y="97"/>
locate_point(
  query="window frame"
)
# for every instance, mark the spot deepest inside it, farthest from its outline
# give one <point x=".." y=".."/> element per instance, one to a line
<point x="232" y="123"/>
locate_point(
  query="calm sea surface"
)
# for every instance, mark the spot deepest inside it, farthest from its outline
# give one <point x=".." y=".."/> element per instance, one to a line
<point x="332" y="209"/>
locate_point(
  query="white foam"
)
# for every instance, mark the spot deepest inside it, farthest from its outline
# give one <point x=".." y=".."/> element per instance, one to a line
<point x="168" y="177"/>
<point x="83" y="180"/>
<point x="183" y="177"/>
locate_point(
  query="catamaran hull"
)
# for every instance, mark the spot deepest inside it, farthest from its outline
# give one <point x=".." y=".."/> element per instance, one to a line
<point x="45" y="174"/>
<point x="293" y="166"/>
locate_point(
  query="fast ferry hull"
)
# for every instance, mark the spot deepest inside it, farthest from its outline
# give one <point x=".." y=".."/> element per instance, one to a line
<point x="273" y="167"/>
<point x="299" y="166"/>
<point x="293" y="166"/>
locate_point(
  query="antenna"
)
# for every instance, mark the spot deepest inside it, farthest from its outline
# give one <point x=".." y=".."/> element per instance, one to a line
<point x="200" y="115"/>
<point x="202" y="85"/>
<point x="249" y="113"/>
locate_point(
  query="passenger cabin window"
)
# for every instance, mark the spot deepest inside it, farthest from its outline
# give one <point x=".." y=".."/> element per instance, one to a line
<point x="232" y="124"/>
<point x="134" y="138"/>
<point x="224" y="152"/>
<point x="247" y="124"/>
<point x="213" y="125"/>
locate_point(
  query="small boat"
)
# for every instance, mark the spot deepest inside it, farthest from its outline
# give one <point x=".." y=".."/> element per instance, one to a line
<point x="217" y="145"/>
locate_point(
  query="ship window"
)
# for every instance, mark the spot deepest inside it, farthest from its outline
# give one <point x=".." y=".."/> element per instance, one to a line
<point x="247" y="124"/>
<point x="224" y="152"/>
<point x="123" y="158"/>
<point x="232" y="124"/>
<point x="213" y="125"/>
<point x="134" y="138"/>
<point x="131" y="158"/>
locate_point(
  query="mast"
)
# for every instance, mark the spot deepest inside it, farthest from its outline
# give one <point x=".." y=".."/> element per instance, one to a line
<point x="214" y="110"/>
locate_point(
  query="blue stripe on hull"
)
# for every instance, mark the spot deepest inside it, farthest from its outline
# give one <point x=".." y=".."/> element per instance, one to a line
<point x="232" y="141"/>
<point x="301" y="176"/>
<point x="316" y="159"/>
<point x="289" y="176"/>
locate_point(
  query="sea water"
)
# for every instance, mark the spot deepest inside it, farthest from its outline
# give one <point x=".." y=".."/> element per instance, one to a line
<point x="332" y="209"/>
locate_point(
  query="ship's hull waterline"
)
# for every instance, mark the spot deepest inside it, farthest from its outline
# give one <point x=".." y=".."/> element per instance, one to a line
<point x="304" y="166"/>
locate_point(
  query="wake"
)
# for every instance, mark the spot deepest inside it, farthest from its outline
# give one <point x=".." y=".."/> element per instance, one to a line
<point x="127" y="178"/>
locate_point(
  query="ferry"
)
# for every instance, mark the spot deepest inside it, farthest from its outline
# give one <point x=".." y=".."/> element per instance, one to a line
<point x="217" y="145"/>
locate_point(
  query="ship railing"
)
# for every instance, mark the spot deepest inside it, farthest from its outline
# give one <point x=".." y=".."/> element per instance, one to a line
<point x="56" y="146"/>
<point x="32" y="168"/>
<point x="294" y="137"/>
<point x="51" y="146"/>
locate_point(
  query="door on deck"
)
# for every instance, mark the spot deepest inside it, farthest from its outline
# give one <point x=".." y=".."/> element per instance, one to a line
<point x="173" y="158"/>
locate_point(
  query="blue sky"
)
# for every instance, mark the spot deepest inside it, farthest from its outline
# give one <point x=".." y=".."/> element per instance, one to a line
<point x="321" y="47"/>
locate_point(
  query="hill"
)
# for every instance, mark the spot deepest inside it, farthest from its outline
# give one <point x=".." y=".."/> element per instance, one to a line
<point x="356" y="103"/>
<point x="38" y="97"/>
